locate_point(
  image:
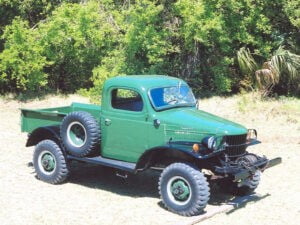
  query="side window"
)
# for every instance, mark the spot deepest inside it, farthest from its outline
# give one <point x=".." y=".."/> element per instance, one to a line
<point x="126" y="99"/>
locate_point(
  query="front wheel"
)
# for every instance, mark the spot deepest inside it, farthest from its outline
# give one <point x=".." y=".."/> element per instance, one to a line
<point x="183" y="189"/>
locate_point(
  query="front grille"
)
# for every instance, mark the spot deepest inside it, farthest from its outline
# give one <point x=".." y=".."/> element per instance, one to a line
<point x="236" y="145"/>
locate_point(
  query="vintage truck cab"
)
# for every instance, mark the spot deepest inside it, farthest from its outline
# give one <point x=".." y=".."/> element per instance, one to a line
<point x="148" y="122"/>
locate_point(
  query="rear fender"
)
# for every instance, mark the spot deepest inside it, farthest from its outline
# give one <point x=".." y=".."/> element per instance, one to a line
<point x="43" y="133"/>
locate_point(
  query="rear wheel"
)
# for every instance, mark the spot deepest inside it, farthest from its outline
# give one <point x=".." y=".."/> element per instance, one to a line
<point x="183" y="189"/>
<point x="49" y="162"/>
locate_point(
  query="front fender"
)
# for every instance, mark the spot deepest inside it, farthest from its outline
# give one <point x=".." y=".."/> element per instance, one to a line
<point x="165" y="152"/>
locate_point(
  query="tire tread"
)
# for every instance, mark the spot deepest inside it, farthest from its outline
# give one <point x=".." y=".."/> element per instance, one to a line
<point x="92" y="129"/>
<point x="201" y="185"/>
<point x="63" y="171"/>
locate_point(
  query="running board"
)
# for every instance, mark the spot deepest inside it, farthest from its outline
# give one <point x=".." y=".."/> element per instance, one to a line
<point x="126" y="166"/>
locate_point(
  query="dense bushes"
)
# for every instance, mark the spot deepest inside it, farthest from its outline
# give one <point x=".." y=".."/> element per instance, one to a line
<point x="70" y="46"/>
<point x="60" y="52"/>
<point x="22" y="61"/>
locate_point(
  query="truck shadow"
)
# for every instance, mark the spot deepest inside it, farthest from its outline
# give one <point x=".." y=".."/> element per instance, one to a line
<point x="144" y="184"/>
<point x="221" y="197"/>
<point x="241" y="202"/>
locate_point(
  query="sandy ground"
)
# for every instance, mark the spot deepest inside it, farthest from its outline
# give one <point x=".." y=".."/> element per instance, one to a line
<point x="93" y="195"/>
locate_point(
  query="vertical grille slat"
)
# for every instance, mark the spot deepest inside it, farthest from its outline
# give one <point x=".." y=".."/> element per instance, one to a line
<point x="232" y="140"/>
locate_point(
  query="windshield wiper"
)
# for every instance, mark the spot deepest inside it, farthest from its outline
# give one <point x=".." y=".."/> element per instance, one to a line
<point x="171" y="101"/>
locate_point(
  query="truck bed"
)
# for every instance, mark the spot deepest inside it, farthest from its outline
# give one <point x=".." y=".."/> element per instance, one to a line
<point x="34" y="118"/>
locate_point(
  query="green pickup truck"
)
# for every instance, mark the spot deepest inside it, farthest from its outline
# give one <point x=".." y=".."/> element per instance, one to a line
<point x="148" y="122"/>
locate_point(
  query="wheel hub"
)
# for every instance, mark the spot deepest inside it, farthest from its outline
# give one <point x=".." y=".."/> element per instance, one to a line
<point x="180" y="190"/>
<point x="76" y="134"/>
<point x="48" y="162"/>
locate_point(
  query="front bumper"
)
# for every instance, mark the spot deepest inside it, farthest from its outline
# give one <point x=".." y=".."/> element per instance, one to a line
<point x="245" y="173"/>
<point x="240" y="172"/>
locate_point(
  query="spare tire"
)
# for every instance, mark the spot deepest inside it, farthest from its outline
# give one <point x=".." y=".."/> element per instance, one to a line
<point x="80" y="134"/>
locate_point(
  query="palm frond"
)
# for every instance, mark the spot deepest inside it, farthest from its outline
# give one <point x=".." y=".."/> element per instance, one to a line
<point x="286" y="63"/>
<point x="246" y="61"/>
<point x="265" y="77"/>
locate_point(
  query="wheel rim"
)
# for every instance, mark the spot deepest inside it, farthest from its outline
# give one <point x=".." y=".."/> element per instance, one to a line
<point x="179" y="190"/>
<point x="47" y="162"/>
<point x="76" y="134"/>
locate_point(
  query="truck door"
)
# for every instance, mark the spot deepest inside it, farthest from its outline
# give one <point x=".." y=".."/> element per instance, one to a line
<point x="124" y="125"/>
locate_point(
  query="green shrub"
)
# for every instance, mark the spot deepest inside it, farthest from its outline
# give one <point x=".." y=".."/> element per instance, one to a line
<point x="22" y="60"/>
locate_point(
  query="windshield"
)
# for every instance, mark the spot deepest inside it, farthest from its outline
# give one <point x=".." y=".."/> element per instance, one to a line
<point x="169" y="97"/>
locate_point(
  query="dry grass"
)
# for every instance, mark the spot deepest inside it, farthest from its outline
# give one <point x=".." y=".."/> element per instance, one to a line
<point x="94" y="195"/>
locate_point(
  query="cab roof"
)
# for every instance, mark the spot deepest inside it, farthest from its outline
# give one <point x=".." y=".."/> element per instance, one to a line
<point x="143" y="81"/>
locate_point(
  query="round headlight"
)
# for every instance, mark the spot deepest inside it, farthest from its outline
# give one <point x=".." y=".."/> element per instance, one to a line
<point x="210" y="142"/>
<point x="251" y="134"/>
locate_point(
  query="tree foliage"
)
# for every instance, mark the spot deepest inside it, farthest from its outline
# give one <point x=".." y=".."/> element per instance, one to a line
<point x="71" y="45"/>
<point x="22" y="61"/>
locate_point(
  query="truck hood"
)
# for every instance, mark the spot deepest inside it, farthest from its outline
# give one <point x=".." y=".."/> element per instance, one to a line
<point x="199" y="121"/>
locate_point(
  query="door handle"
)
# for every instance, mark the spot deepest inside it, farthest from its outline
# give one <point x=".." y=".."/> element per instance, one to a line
<point x="107" y="122"/>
